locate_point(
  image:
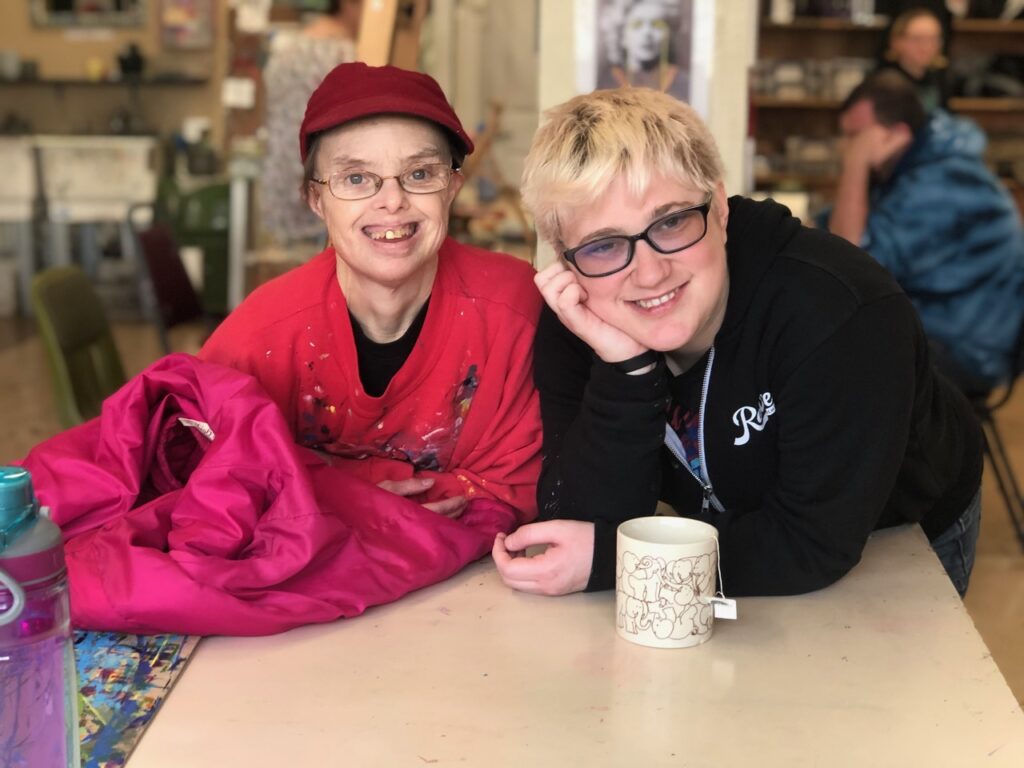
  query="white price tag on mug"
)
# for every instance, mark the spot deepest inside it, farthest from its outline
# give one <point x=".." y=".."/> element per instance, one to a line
<point x="724" y="607"/>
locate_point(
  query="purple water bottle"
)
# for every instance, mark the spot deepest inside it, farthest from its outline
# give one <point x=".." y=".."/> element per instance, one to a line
<point x="38" y="692"/>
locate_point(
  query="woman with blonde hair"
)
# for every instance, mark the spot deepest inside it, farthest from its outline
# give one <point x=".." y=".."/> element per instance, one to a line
<point x="714" y="354"/>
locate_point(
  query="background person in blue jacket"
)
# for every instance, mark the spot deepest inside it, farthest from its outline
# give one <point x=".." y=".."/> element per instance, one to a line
<point x="915" y="193"/>
<point x="712" y="353"/>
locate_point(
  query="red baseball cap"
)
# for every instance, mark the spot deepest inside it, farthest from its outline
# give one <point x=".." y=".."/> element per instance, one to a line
<point x="354" y="90"/>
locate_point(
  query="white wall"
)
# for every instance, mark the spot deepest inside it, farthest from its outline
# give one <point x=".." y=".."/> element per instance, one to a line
<point x="735" y="49"/>
<point x="486" y="50"/>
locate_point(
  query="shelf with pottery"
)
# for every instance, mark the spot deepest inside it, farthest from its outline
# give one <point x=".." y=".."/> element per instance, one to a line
<point x="956" y="104"/>
<point x="830" y="51"/>
<point x="818" y="39"/>
<point x="817" y="116"/>
<point x="879" y="24"/>
<point x="83" y="82"/>
<point x="782" y="180"/>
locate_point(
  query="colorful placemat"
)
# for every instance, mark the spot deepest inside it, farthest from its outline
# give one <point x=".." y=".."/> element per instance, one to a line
<point x="122" y="681"/>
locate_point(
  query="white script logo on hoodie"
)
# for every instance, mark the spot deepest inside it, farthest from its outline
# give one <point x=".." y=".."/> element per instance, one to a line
<point x="748" y="417"/>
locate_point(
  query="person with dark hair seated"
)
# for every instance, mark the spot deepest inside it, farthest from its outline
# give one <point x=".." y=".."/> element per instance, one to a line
<point x="915" y="193"/>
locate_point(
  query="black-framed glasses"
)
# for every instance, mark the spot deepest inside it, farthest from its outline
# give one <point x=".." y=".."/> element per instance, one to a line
<point x="417" y="180"/>
<point x="671" y="233"/>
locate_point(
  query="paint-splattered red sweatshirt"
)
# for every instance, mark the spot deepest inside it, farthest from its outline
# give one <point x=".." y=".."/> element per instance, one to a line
<point x="462" y="409"/>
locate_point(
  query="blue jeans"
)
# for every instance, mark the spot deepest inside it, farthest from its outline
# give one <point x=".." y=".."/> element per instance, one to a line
<point x="955" y="546"/>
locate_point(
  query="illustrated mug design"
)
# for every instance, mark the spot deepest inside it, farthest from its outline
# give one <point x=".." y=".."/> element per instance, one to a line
<point x="664" y="580"/>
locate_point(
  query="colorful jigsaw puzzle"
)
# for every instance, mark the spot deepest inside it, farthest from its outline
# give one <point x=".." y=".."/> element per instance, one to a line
<point x="122" y="681"/>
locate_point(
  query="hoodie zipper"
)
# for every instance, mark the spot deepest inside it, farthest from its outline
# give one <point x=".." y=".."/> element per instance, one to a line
<point x="675" y="446"/>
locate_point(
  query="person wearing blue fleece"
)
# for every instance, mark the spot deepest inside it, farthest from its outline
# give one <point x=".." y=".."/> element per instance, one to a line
<point x="915" y="193"/>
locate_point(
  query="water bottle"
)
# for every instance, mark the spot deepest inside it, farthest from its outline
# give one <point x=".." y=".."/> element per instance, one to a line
<point x="38" y="690"/>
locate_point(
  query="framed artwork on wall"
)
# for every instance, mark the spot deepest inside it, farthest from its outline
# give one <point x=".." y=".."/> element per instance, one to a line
<point x="186" y="24"/>
<point x="88" y="13"/>
<point x="661" y="44"/>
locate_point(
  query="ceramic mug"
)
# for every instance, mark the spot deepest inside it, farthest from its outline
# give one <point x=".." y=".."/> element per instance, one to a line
<point x="665" y="577"/>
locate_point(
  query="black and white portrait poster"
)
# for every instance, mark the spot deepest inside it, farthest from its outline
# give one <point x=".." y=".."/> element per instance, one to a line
<point x="661" y="44"/>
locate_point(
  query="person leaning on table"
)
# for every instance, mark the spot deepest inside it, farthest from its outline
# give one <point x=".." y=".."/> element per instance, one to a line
<point x="785" y="369"/>
<point x="397" y="353"/>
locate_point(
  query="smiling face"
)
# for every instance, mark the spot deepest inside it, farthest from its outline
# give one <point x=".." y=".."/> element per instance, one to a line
<point x="392" y="238"/>
<point x="671" y="302"/>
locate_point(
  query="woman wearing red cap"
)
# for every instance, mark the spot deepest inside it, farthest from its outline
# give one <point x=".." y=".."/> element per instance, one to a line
<point x="397" y="352"/>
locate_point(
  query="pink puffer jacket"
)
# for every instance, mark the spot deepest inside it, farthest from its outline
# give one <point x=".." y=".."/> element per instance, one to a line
<point x="186" y="507"/>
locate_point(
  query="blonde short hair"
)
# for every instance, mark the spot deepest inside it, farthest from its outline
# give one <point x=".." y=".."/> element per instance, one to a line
<point x="590" y="140"/>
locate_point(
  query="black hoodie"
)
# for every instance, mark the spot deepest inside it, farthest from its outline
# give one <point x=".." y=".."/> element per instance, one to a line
<point x="823" y="418"/>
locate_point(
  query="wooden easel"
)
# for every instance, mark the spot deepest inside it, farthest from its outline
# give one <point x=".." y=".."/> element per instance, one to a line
<point x="389" y="32"/>
<point x="482" y="163"/>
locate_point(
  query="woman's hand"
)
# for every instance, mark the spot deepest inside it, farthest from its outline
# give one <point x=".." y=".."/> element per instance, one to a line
<point x="567" y="298"/>
<point x="562" y="568"/>
<point x="452" y="507"/>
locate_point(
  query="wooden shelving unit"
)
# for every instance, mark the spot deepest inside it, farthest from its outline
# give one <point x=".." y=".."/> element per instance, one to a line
<point x="962" y="105"/>
<point x="960" y="26"/>
<point x="784" y="180"/>
<point x="85" y="82"/>
<point x="815" y="117"/>
<point x="147" y="82"/>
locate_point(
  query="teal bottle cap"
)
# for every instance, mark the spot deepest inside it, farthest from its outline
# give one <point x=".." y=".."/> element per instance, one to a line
<point x="18" y="505"/>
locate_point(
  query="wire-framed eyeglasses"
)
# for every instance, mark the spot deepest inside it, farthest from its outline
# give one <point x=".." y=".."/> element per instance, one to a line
<point x="671" y="233"/>
<point x="418" y="180"/>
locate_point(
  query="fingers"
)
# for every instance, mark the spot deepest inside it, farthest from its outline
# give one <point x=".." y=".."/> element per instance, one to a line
<point x="546" y="275"/>
<point x="567" y="297"/>
<point x="530" y="534"/>
<point x="409" y="487"/>
<point x="563" y="567"/>
<point x="532" y="587"/>
<point x="509" y="553"/>
<point x="453" y="507"/>
<point x="571" y="308"/>
<point x="539" y="575"/>
<point x="500" y="554"/>
<point x="513" y="577"/>
<point x="554" y="281"/>
<point x="533" y="570"/>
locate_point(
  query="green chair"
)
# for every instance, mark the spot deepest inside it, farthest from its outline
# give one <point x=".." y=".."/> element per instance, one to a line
<point x="203" y="221"/>
<point x="84" y="362"/>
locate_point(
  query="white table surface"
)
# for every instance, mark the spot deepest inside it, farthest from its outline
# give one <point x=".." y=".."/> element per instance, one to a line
<point x="884" y="668"/>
